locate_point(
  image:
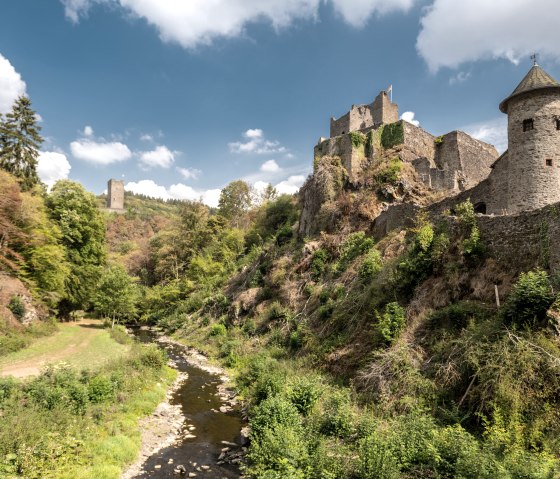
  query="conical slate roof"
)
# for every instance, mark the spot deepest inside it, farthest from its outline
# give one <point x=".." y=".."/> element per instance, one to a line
<point x="536" y="79"/>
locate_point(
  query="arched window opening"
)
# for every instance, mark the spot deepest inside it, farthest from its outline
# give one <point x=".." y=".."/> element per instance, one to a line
<point x="548" y="162"/>
<point x="528" y="124"/>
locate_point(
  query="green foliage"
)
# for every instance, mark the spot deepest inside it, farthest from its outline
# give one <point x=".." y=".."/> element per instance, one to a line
<point x="303" y="393"/>
<point x="391" y="173"/>
<point x="319" y="262"/>
<point x="529" y="300"/>
<point x="377" y="460"/>
<point x="17" y="307"/>
<point x="471" y="245"/>
<point x="393" y="135"/>
<point x="20" y="142"/>
<point x="355" y="245"/>
<point x="218" y="329"/>
<point x="82" y="228"/>
<point x="235" y="200"/>
<point x="438" y="140"/>
<point x="391" y="322"/>
<point x="337" y="416"/>
<point x="357" y="138"/>
<point x="116" y="295"/>
<point x="273" y="413"/>
<point x="371" y="265"/>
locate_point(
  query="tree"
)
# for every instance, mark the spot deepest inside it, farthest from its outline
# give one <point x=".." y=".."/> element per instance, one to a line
<point x="82" y="229"/>
<point x="116" y="295"/>
<point x="20" y="142"/>
<point x="235" y="201"/>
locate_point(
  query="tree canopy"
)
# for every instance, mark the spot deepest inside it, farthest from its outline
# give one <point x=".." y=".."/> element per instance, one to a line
<point x="20" y="142"/>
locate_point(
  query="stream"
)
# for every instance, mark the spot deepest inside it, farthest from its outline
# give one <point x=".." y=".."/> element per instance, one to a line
<point x="197" y="450"/>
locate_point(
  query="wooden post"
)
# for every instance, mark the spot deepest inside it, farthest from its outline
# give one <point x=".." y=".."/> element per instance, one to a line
<point x="497" y="295"/>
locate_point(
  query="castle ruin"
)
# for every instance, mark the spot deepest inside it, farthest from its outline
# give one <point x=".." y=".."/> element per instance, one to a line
<point x="115" y="195"/>
<point x="524" y="178"/>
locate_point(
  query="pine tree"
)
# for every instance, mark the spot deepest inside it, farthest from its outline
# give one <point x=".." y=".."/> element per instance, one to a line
<point x="20" y="142"/>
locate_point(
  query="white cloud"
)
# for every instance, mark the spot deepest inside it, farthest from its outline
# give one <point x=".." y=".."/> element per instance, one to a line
<point x="357" y="12"/>
<point x="492" y="131"/>
<point x="11" y="85"/>
<point x="456" y="32"/>
<point x="189" y="173"/>
<point x="291" y="185"/>
<point x="177" y="191"/>
<point x="460" y="77"/>
<point x="198" y="22"/>
<point x="148" y="188"/>
<point x="146" y="137"/>
<point x="256" y="143"/>
<point x="160" y="157"/>
<point x="52" y="166"/>
<point x="88" y="131"/>
<point x="100" y="152"/>
<point x="270" y="166"/>
<point x="408" y="116"/>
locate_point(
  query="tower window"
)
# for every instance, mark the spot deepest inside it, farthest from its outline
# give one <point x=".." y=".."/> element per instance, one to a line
<point x="548" y="162"/>
<point x="528" y="124"/>
<point x="557" y="124"/>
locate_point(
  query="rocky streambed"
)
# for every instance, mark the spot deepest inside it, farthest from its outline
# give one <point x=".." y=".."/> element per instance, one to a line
<point x="197" y="431"/>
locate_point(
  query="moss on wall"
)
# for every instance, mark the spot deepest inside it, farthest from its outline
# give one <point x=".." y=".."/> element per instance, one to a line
<point x="392" y="135"/>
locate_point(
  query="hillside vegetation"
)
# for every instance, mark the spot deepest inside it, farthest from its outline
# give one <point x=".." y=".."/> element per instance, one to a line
<point x="358" y="359"/>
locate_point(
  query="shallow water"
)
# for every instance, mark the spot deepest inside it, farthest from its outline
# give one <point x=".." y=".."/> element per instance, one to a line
<point x="200" y="404"/>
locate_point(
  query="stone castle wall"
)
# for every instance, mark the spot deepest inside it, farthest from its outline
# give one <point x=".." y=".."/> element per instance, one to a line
<point x="532" y="183"/>
<point x="384" y="111"/>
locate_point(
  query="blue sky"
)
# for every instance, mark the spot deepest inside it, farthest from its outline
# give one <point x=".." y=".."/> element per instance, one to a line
<point x="180" y="97"/>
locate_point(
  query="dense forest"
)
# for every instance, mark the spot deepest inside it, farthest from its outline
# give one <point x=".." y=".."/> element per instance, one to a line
<point x="353" y="358"/>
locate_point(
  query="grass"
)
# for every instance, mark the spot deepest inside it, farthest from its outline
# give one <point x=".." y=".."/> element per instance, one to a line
<point x="82" y="345"/>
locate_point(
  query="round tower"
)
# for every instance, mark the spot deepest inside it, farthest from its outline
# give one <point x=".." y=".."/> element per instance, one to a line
<point x="533" y="163"/>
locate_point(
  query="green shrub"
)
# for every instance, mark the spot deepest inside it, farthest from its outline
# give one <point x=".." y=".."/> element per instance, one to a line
<point x="12" y="342"/>
<point x="282" y="449"/>
<point x="17" y="307"/>
<point x="357" y="138"/>
<point x="100" y="389"/>
<point x="391" y="322"/>
<point x="284" y="235"/>
<point x="371" y="265"/>
<point x="272" y="413"/>
<point x="250" y="327"/>
<point x="390" y="174"/>
<point x="376" y="459"/>
<point x="529" y="300"/>
<point x="268" y="384"/>
<point x="277" y="312"/>
<point x="218" y="329"/>
<point x="319" y="263"/>
<point x="303" y="393"/>
<point x="355" y="245"/>
<point x="151" y="356"/>
<point x="338" y="417"/>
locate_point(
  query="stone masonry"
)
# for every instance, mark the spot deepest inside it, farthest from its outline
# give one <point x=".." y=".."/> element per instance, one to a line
<point x="115" y="195"/>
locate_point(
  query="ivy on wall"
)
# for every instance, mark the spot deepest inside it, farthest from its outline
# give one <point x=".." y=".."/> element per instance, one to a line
<point x="393" y="134"/>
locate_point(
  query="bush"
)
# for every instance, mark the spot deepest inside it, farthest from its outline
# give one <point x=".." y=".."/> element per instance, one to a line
<point x="17" y="307"/>
<point x="273" y="413"/>
<point x="303" y="393"/>
<point x="319" y="263"/>
<point x="376" y="459"/>
<point x="529" y="300"/>
<point x="371" y="265"/>
<point x="390" y="174"/>
<point x="355" y="245"/>
<point x="282" y="449"/>
<point x="119" y="334"/>
<point x="391" y="322"/>
<point x="151" y="356"/>
<point x="218" y="329"/>
<point x="337" y="418"/>
<point x="100" y="389"/>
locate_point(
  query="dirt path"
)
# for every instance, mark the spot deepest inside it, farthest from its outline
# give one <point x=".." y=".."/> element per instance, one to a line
<point x="82" y="344"/>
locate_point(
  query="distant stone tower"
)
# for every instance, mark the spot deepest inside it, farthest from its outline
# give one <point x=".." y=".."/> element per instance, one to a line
<point x="533" y="165"/>
<point x="115" y="195"/>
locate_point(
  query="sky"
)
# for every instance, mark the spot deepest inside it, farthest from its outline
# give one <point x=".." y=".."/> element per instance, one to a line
<point x="180" y="97"/>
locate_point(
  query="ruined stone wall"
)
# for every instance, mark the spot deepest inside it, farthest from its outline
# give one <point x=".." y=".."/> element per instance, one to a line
<point x="532" y="183"/>
<point x="340" y="126"/>
<point x="383" y="110"/>
<point x="115" y="195"/>
<point x="475" y="157"/>
<point x="497" y="197"/>
<point x="418" y="143"/>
